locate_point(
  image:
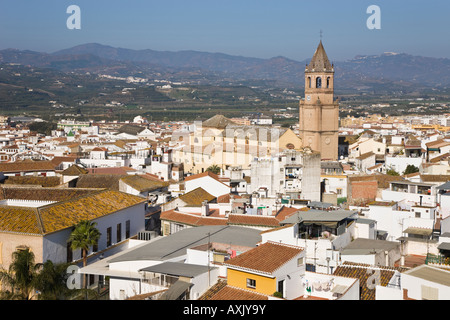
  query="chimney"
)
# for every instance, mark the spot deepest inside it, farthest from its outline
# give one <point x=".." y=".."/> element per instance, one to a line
<point x="205" y="208"/>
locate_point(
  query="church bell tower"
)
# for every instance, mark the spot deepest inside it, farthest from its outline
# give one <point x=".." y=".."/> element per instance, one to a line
<point x="319" y="111"/>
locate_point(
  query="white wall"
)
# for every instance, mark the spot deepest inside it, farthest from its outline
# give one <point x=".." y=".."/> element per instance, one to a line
<point x="136" y="215"/>
<point x="291" y="274"/>
<point x="55" y="244"/>
<point x="360" y="258"/>
<point x="389" y="220"/>
<point x="389" y="195"/>
<point x="203" y="282"/>
<point x="55" y="247"/>
<point x="363" y="230"/>
<point x="399" y="164"/>
<point x="386" y="293"/>
<point x="210" y="185"/>
<point x="414" y="286"/>
<point x="445" y="206"/>
<point x="130" y="287"/>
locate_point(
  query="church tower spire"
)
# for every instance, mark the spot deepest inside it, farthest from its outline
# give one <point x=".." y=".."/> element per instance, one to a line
<point x="319" y="112"/>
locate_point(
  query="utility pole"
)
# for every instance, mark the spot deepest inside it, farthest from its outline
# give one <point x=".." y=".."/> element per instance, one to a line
<point x="209" y="281"/>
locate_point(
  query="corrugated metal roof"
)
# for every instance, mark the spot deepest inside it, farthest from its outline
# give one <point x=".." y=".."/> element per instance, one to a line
<point x="178" y="269"/>
<point x="177" y="244"/>
<point x="319" y="216"/>
<point x="176" y="290"/>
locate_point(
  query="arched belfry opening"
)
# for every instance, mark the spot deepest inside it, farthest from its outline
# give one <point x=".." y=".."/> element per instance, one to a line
<point x="318" y="82"/>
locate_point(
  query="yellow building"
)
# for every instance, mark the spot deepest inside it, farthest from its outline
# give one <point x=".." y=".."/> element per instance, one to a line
<point x="224" y="143"/>
<point x="269" y="268"/>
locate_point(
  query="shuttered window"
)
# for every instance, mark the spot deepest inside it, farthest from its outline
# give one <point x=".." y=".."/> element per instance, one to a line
<point x="429" y="293"/>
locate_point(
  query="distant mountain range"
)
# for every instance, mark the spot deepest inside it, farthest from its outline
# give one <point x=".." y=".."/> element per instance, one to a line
<point x="388" y="71"/>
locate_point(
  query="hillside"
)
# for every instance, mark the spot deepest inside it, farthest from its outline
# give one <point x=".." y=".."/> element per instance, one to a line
<point x="383" y="73"/>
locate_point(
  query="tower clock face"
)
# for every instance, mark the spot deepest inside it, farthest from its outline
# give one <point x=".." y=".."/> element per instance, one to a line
<point x="308" y="97"/>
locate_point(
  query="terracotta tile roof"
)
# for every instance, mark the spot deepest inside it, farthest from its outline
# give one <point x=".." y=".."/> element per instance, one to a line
<point x="363" y="272"/>
<point x="253" y="220"/>
<point x="265" y="258"/>
<point x="441" y="157"/>
<point x="233" y="293"/>
<point x="68" y="213"/>
<point x="365" y="155"/>
<point x="225" y="198"/>
<point x="74" y="170"/>
<point x="437" y="144"/>
<point x="143" y="184"/>
<point x="285" y="212"/>
<point x="196" y="197"/>
<point x="26" y="166"/>
<point x="108" y="181"/>
<point x="56" y="161"/>
<point x="434" y="177"/>
<point x="20" y="220"/>
<point x="191" y="219"/>
<point x="44" y="194"/>
<point x="32" y="180"/>
<point x="110" y="170"/>
<point x="219" y="285"/>
<point x="203" y="174"/>
<point x="382" y="179"/>
<point x="61" y="215"/>
<point x="218" y="121"/>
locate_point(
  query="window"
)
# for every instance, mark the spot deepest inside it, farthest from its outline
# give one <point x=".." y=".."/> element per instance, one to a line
<point x="251" y="283"/>
<point x="69" y="252"/>
<point x="108" y="236"/>
<point x="309" y="82"/>
<point x="299" y="262"/>
<point x="328" y="82"/>
<point x="119" y="232"/>
<point x="127" y="229"/>
<point x="429" y="293"/>
<point x="319" y="82"/>
<point x="417" y="214"/>
<point x="280" y="288"/>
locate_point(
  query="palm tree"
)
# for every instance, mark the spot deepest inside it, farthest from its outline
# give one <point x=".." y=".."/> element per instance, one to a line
<point x="21" y="276"/>
<point x="84" y="235"/>
<point x="214" y="169"/>
<point x="52" y="281"/>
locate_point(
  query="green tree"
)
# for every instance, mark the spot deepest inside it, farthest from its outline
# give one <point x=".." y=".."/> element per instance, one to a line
<point x="214" y="169"/>
<point x="21" y="276"/>
<point x="51" y="281"/>
<point x="392" y="172"/>
<point x="84" y="236"/>
<point x="43" y="127"/>
<point x="410" y="168"/>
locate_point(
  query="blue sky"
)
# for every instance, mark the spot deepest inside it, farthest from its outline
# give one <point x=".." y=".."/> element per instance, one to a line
<point x="254" y="28"/>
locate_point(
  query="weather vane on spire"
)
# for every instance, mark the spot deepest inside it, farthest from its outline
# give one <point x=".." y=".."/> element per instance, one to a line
<point x="321" y="34"/>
